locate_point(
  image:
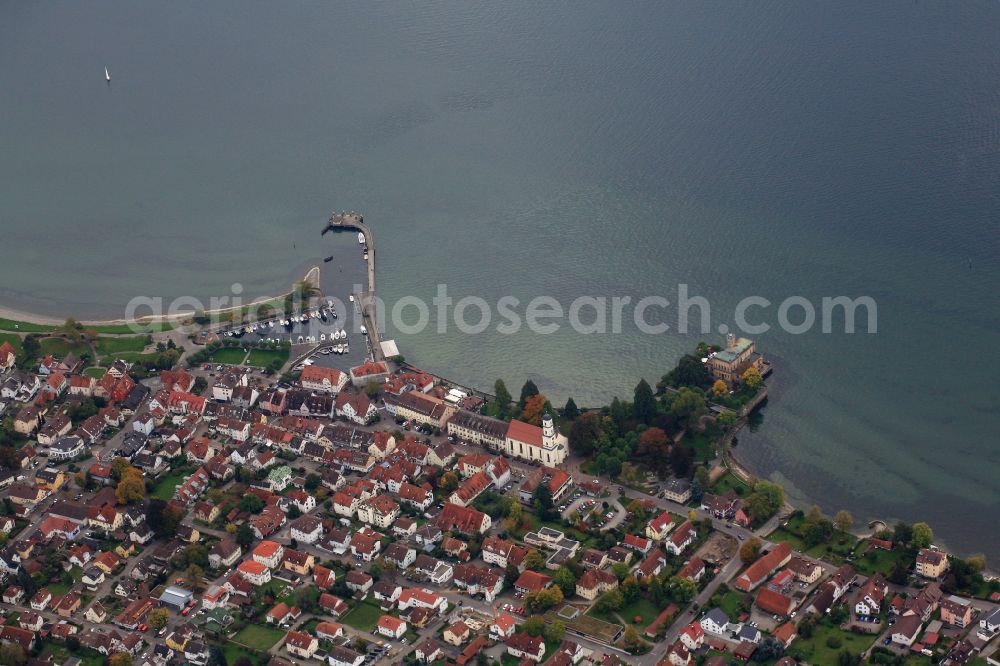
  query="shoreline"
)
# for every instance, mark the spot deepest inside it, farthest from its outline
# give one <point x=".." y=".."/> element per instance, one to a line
<point x="312" y="275"/>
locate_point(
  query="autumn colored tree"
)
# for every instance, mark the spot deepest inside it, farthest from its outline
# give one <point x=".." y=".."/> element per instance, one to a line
<point x="120" y="659"/>
<point x="719" y="388"/>
<point x="534" y="408"/>
<point x="654" y="447"/>
<point x="751" y="377"/>
<point x="448" y="482"/>
<point x="131" y="488"/>
<point x="843" y="521"/>
<point x="750" y="550"/>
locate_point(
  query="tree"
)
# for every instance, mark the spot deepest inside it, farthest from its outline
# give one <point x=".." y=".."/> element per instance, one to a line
<point x="157" y="618"/>
<point x="654" y="446"/>
<point x="765" y="500"/>
<point x="542" y="501"/>
<point x="533" y="626"/>
<point x="843" y="521"/>
<point x="902" y="532"/>
<point x="681" y="458"/>
<point x="538" y="602"/>
<point x="620" y="570"/>
<point x="570" y="411"/>
<point x="682" y="590"/>
<point x="702" y="476"/>
<point x="690" y="371"/>
<point x="899" y="574"/>
<point x="245" y="535"/>
<point x="13" y="654"/>
<point x="448" y="482"/>
<point x="554" y="632"/>
<point x="583" y="434"/>
<point x="750" y="550"/>
<point x="131" y="488"/>
<point x="503" y="399"/>
<point x="529" y="389"/>
<point x="751" y="377"/>
<point x="120" y="659"/>
<point x="251" y="504"/>
<point x="977" y="562"/>
<point x="566" y="580"/>
<point x="719" y="387"/>
<point x="514" y="511"/>
<point x="687" y="406"/>
<point x="769" y="650"/>
<point x="195" y="576"/>
<point x="119" y="467"/>
<point x="643" y="403"/>
<point x="610" y="601"/>
<point x="922" y="535"/>
<point x="534" y="408"/>
<point x="534" y="560"/>
<point x="619" y="415"/>
<point x="631" y="639"/>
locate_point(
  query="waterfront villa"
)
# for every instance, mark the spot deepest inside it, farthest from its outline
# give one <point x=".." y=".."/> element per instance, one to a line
<point x="739" y="355"/>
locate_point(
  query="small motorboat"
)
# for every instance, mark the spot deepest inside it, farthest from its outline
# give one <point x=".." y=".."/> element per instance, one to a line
<point x="361" y="235"/>
<point x="322" y="337"/>
<point x="351" y="298"/>
<point x="328" y="259"/>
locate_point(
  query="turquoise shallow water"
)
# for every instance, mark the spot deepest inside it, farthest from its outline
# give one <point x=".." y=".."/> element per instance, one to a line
<point x="525" y="150"/>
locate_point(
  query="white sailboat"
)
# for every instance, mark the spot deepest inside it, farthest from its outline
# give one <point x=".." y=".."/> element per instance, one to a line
<point x="107" y="76"/>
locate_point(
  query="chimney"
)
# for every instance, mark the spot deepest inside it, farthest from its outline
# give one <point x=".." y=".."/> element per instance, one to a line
<point x="730" y="341"/>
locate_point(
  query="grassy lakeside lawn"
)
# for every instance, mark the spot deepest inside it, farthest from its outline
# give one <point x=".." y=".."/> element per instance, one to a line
<point x="832" y="551"/>
<point x="730" y="481"/>
<point x="131" y="357"/>
<point x="264" y="357"/>
<point x="137" y="329"/>
<point x="24" y="327"/>
<point x="878" y="560"/>
<point x="59" y="347"/>
<point x="816" y="650"/>
<point x="704" y="447"/>
<point x="228" y="356"/>
<point x="106" y="346"/>
<point x="258" y="637"/>
<point x="363" y="617"/>
<point x="13" y="339"/>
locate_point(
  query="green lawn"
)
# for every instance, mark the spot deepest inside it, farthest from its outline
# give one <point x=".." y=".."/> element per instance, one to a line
<point x="234" y="652"/>
<point x="59" y="347"/>
<point x="61" y="653"/>
<point x="258" y="637"/>
<point x="131" y="357"/>
<point x="24" y="327"/>
<point x="166" y="486"/>
<point x="137" y="328"/>
<point x="228" y="356"/>
<point x="730" y="481"/>
<point x="106" y="346"/>
<point x="730" y="604"/>
<point x="14" y="340"/>
<point x="363" y="617"/>
<point x="262" y="358"/>
<point x="97" y="373"/>
<point x="640" y="607"/>
<point x="878" y="560"/>
<point x="704" y="447"/>
<point x="817" y="651"/>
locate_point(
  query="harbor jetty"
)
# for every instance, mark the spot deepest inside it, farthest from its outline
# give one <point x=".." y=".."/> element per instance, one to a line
<point x="365" y="301"/>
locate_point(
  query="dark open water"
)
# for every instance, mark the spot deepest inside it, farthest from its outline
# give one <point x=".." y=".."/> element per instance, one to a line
<point x="559" y="149"/>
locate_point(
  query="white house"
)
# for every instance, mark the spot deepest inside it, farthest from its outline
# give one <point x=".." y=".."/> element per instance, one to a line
<point x="715" y="622"/>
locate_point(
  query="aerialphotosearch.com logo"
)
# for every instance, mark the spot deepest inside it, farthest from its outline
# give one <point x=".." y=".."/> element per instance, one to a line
<point x="542" y="315"/>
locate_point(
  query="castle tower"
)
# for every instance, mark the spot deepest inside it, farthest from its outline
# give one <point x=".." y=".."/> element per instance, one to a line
<point x="730" y="341"/>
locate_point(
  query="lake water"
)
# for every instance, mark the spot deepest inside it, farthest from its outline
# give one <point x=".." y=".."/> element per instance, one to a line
<point x="532" y="149"/>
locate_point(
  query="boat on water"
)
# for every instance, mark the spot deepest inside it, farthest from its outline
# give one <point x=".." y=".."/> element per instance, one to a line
<point x="364" y="331"/>
<point x="351" y="297"/>
<point x="361" y="235"/>
<point x="325" y="351"/>
<point x="107" y="76"/>
<point x="365" y="256"/>
<point x="322" y="337"/>
<point x="328" y="259"/>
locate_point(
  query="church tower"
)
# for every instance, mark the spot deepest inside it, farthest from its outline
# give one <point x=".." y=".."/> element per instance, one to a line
<point x="548" y="431"/>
